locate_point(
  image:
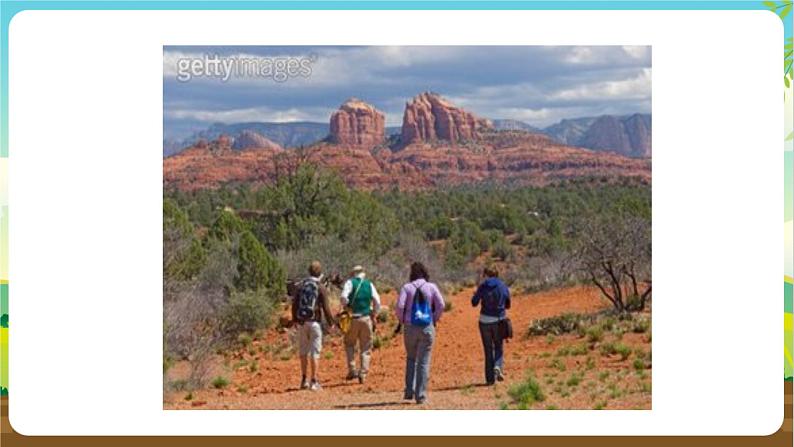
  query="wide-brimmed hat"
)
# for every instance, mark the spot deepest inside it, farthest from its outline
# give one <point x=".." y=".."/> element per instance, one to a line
<point x="357" y="269"/>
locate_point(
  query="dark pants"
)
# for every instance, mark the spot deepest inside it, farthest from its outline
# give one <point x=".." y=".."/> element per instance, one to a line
<point x="492" y="345"/>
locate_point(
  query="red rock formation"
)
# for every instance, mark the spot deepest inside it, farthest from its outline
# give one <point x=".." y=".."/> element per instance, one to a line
<point x="430" y="117"/>
<point x="505" y="156"/>
<point x="357" y="123"/>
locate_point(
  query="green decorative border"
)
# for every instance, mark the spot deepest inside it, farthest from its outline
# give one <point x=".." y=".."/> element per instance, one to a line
<point x="782" y="8"/>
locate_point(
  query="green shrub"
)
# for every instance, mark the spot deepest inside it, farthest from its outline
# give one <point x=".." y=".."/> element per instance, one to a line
<point x="502" y="250"/>
<point x="574" y="379"/>
<point x="623" y="350"/>
<point x="220" y="382"/>
<point x="641" y="326"/>
<point x="558" y="325"/>
<point x="608" y="349"/>
<point x="246" y="312"/>
<point x="557" y="364"/>
<point x="579" y="349"/>
<point x="244" y="339"/>
<point x="594" y="334"/>
<point x="590" y="364"/>
<point x="526" y="392"/>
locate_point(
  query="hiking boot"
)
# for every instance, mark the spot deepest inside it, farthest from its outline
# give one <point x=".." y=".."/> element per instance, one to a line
<point x="499" y="375"/>
<point x="421" y="400"/>
<point x="361" y="378"/>
<point x="304" y="384"/>
<point x="352" y="375"/>
<point x="315" y="386"/>
<point x="408" y="396"/>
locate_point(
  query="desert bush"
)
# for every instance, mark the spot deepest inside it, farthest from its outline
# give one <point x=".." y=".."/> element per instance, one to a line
<point x="574" y="380"/>
<point x="246" y="312"/>
<point x="502" y="249"/>
<point x="608" y="349"/>
<point x="641" y="326"/>
<point x="557" y="325"/>
<point x="244" y="339"/>
<point x="579" y="349"/>
<point x="589" y="364"/>
<point x="526" y="392"/>
<point x="220" y="382"/>
<point x="558" y="365"/>
<point x="594" y="334"/>
<point x="622" y="350"/>
<point x="615" y="254"/>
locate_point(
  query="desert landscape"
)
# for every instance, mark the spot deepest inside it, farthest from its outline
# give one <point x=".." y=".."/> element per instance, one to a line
<point x="562" y="213"/>
<point x="607" y="366"/>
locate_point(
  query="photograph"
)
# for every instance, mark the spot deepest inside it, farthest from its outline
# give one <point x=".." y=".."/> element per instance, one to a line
<point x="407" y="227"/>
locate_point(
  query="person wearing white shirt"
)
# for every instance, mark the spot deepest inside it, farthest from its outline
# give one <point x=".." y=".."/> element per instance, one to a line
<point x="361" y="299"/>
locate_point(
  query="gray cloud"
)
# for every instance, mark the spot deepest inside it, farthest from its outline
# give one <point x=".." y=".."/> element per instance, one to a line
<point x="536" y="84"/>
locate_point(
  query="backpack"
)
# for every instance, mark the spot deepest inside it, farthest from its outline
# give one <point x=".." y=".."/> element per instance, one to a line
<point x="421" y="311"/>
<point x="491" y="301"/>
<point x="308" y="294"/>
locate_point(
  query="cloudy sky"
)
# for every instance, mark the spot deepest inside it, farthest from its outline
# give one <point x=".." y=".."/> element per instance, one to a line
<point x="539" y="85"/>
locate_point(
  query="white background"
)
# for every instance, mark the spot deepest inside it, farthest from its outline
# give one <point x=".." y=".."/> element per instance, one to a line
<point x="85" y="130"/>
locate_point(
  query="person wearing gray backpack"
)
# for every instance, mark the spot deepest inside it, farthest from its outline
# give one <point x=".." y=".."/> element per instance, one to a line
<point x="309" y="305"/>
<point x="419" y="308"/>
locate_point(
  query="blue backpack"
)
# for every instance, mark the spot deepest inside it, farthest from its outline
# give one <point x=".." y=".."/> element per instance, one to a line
<point x="421" y="310"/>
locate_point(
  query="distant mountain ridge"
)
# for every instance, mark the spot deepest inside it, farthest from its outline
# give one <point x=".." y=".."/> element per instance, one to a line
<point x="628" y="135"/>
<point x="291" y="134"/>
<point x="440" y="145"/>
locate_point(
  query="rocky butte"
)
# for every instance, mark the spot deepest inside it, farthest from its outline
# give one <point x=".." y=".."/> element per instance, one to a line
<point x="441" y="144"/>
<point x="429" y="117"/>
<point x="357" y="123"/>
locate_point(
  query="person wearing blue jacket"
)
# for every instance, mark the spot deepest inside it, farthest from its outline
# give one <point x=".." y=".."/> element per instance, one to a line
<point x="493" y="297"/>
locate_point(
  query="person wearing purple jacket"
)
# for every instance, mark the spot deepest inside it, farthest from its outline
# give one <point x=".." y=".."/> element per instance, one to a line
<point x="418" y="309"/>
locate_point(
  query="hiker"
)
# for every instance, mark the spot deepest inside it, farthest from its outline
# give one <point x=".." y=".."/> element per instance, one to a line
<point x="493" y="297"/>
<point x="363" y="301"/>
<point x="309" y="305"/>
<point x="418" y="310"/>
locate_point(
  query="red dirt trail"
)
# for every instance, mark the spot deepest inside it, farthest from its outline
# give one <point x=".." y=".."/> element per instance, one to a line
<point x="456" y="377"/>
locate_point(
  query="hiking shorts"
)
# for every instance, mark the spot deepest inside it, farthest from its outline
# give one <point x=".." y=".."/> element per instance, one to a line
<point x="310" y="339"/>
